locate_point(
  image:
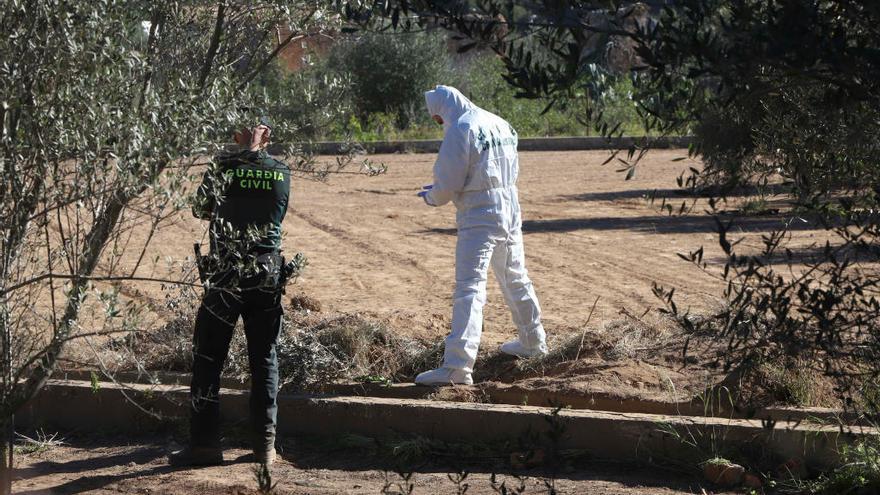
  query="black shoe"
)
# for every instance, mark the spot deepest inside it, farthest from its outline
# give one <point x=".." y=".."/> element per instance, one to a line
<point x="196" y="456"/>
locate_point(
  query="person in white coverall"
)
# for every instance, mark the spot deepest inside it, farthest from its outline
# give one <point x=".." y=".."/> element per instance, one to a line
<point x="476" y="169"/>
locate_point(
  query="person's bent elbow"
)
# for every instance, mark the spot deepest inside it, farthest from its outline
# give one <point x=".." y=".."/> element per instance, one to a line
<point x="438" y="197"/>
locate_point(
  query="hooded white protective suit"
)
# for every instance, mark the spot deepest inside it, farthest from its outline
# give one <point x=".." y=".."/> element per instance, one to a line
<point x="476" y="169"/>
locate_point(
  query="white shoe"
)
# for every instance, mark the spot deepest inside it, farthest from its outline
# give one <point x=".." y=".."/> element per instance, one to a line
<point x="515" y="348"/>
<point x="444" y="376"/>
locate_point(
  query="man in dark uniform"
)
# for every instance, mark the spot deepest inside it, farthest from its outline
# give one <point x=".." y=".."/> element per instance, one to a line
<point x="245" y="196"/>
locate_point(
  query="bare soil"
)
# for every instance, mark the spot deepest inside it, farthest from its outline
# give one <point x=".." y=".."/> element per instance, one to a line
<point x="592" y="238"/>
<point x="138" y="466"/>
<point x="377" y="251"/>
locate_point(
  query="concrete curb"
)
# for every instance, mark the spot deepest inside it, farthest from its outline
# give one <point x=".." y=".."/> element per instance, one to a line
<point x="502" y="393"/>
<point x="575" y="143"/>
<point x="76" y="405"/>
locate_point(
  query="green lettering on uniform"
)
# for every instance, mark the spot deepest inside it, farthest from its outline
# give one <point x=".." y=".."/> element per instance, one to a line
<point x="267" y="185"/>
<point x="250" y="173"/>
<point x="239" y="172"/>
<point x="242" y="183"/>
<point x="258" y="174"/>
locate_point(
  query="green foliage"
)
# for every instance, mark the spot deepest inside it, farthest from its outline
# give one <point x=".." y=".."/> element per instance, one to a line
<point x="371" y="87"/>
<point x="819" y="149"/>
<point x="860" y="472"/>
<point x="309" y="102"/>
<point x="794" y="104"/>
<point x="786" y="90"/>
<point x="778" y="89"/>
<point x="824" y="319"/>
<point x="389" y="72"/>
<point x="105" y="108"/>
<point x="263" y="477"/>
<point x="724" y="142"/>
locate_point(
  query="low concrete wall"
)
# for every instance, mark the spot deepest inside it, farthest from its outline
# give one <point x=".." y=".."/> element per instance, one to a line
<point x="502" y="393"/>
<point x="525" y="144"/>
<point x="606" y="435"/>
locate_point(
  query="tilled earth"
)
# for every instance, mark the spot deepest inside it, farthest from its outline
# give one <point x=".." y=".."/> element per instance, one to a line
<point x="592" y="239"/>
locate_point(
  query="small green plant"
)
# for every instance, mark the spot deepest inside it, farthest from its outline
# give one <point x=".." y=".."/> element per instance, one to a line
<point x="95" y="382"/>
<point x="503" y="489"/>
<point x="401" y="486"/>
<point x="459" y="478"/>
<point x="263" y="476"/>
<point x="374" y="380"/>
<point x="708" y="444"/>
<point x="860" y="472"/>
<point x="756" y="206"/>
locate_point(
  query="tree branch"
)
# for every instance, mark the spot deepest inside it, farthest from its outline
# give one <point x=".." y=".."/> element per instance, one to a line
<point x="214" y="46"/>
<point x="69" y="276"/>
<point x="293" y="35"/>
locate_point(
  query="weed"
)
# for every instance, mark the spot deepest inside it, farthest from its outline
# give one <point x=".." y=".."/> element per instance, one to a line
<point x="859" y="474"/>
<point x="708" y="444"/>
<point x="459" y="478"/>
<point x="402" y="486"/>
<point x="757" y="206"/>
<point x="264" y="479"/>
<point x="95" y="382"/>
<point x="42" y="443"/>
<point x="374" y="380"/>
<point x="503" y="489"/>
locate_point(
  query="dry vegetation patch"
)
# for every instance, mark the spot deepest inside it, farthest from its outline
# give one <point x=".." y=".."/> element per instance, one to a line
<point x="645" y="357"/>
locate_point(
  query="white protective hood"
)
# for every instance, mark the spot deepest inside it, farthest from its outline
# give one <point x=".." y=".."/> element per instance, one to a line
<point x="478" y="152"/>
<point x="448" y="103"/>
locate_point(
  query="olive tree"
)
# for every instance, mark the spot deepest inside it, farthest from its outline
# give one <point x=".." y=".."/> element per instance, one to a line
<point x="783" y="91"/>
<point x="105" y="106"/>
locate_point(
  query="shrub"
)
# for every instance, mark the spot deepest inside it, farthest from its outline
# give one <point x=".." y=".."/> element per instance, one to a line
<point x="820" y="315"/>
<point x="723" y="139"/>
<point x="307" y="103"/>
<point x="390" y="71"/>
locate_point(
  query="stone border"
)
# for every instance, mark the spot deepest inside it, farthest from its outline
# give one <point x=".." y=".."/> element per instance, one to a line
<point x="77" y="405"/>
<point x="525" y="144"/>
<point x="511" y="394"/>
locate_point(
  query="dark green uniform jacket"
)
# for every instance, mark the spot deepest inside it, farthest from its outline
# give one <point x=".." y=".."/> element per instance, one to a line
<point x="245" y="197"/>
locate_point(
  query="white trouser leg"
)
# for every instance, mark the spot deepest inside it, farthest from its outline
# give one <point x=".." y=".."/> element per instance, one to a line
<point x="509" y="265"/>
<point x="473" y="253"/>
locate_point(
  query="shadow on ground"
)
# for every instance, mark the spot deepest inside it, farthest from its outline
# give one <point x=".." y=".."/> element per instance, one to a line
<point x="141" y="469"/>
<point x="657" y="224"/>
<point x="679" y="193"/>
<point x="141" y="457"/>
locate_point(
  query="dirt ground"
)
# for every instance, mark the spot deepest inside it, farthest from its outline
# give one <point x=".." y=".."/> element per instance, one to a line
<point x="376" y="250"/>
<point x="373" y="246"/>
<point x="139" y="467"/>
<point x="591" y="237"/>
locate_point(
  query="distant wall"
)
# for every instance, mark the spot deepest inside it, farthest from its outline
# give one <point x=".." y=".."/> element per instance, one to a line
<point x="525" y="144"/>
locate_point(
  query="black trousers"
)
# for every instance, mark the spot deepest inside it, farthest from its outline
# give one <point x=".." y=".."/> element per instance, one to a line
<point x="260" y="308"/>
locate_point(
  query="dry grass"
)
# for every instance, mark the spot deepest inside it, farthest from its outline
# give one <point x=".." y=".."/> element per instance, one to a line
<point x="616" y="340"/>
<point x="314" y="352"/>
<point x="460" y="394"/>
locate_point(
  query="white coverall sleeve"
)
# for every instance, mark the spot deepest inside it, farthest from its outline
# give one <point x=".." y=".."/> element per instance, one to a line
<point x="451" y="168"/>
